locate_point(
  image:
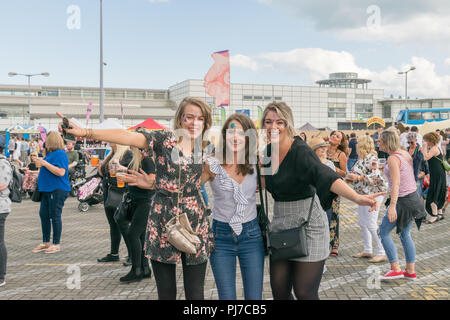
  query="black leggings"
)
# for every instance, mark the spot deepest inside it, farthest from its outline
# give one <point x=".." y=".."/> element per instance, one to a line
<point x="116" y="231"/>
<point x="304" y="277"/>
<point x="166" y="282"/>
<point x="136" y="232"/>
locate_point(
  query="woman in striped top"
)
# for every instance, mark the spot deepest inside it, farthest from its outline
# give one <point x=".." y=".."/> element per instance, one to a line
<point x="232" y="177"/>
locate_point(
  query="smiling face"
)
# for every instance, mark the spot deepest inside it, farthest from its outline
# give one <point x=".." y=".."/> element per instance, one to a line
<point x="275" y="126"/>
<point x="193" y="120"/>
<point x="336" y="138"/>
<point x="235" y="137"/>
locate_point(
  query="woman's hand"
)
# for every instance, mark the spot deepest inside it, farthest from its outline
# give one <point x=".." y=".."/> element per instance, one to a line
<point x="38" y="161"/>
<point x="392" y="213"/>
<point x="140" y="179"/>
<point x="76" y="131"/>
<point x="369" y="200"/>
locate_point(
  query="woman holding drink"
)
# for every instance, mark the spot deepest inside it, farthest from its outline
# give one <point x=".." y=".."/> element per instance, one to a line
<point x="179" y="158"/>
<point x="54" y="185"/>
<point x="113" y="190"/>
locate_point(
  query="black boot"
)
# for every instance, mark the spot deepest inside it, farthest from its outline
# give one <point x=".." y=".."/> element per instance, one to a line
<point x="133" y="276"/>
<point x="147" y="272"/>
<point x="127" y="262"/>
<point x="109" y="258"/>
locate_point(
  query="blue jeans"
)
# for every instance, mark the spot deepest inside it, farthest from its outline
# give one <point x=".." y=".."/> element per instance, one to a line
<point x="50" y="212"/>
<point x="405" y="237"/>
<point x="351" y="162"/>
<point x="204" y="195"/>
<point x="248" y="247"/>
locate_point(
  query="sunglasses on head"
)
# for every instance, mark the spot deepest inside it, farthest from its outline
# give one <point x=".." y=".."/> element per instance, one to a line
<point x="410" y="142"/>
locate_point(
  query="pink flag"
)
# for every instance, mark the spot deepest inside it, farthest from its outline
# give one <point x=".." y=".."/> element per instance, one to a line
<point x="43" y="133"/>
<point x="217" y="80"/>
<point x="88" y="112"/>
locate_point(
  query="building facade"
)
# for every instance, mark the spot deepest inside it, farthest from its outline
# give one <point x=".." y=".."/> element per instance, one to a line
<point x="342" y="102"/>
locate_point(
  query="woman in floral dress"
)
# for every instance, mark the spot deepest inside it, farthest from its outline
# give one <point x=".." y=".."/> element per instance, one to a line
<point x="179" y="166"/>
<point x="367" y="179"/>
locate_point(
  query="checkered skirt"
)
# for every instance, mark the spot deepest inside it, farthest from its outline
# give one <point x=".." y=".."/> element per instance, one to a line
<point x="288" y="215"/>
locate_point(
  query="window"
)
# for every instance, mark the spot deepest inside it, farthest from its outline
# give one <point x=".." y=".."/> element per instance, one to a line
<point x="159" y="96"/>
<point x="114" y="94"/>
<point x="257" y="98"/>
<point x="444" y="115"/>
<point x="364" y="96"/>
<point x="278" y="98"/>
<point x="247" y="98"/>
<point x="267" y="98"/>
<point x="363" y="110"/>
<point x="430" y="115"/>
<point x="70" y="93"/>
<point x="337" y="95"/>
<point x="414" y="116"/>
<point x="136" y="95"/>
<point x="337" y="110"/>
<point x="387" y="111"/>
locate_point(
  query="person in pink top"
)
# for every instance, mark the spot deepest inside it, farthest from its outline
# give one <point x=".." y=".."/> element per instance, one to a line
<point x="404" y="205"/>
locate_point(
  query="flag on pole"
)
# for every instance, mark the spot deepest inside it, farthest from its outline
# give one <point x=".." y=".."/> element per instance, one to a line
<point x="217" y="80"/>
<point x="88" y="113"/>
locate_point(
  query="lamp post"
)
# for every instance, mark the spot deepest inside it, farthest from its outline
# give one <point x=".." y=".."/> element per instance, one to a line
<point x="13" y="74"/>
<point x="406" y="84"/>
<point x="101" y="115"/>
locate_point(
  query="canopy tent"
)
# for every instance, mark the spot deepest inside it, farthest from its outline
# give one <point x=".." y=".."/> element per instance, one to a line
<point x="307" y="127"/>
<point x="149" y="124"/>
<point x="25" y="131"/>
<point x="433" y="126"/>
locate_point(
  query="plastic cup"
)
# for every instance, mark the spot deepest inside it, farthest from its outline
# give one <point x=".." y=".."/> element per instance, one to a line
<point x="94" y="160"/>
<point x="120" y="182"/>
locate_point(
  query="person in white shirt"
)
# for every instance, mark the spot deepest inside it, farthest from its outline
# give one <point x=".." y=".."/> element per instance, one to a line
<point x="419" y="136"/>
<point x="403" y="140"/>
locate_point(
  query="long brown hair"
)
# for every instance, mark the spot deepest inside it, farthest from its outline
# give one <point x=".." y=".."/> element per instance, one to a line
<point x="250" y="150"/>
<point x="343" y="146"/>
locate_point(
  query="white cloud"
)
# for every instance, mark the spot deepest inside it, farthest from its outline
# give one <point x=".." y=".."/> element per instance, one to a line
<point x="399" y="21"/>
<point x="240" y="60"/>
<point x="319" y="63"/>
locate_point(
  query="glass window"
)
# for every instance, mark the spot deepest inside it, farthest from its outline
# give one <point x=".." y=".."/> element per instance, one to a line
<point x="247" y="98"/>
<point x="337" y="95"/>
<point x="267" y="98"/>
<point x="430" y="115"/>
<point x="414" y="116"/>
<point x="387" y="112"/>
<point x="444" y="115"/>
<point x="136" y="95"/>
<point x="278" y="98"/>
<point x="257" y="97"/>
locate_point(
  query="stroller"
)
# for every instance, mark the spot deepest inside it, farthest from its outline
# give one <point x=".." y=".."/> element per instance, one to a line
<point x="91" y="193"/>
<point x="29" y="183"/>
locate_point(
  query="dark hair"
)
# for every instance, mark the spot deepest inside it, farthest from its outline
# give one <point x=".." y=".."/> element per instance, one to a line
<point x="344" y="144"/>
<point x="353" y="135"/>
<point x="407" y="128"/>
<point x="414" y="129"/>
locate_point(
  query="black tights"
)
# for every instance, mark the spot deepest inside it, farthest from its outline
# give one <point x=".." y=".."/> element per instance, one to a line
<point x="166" y="282"/>
<point x="136" y="233"/>
<point x="304" y="277"/>
<point x="116" y="231"/>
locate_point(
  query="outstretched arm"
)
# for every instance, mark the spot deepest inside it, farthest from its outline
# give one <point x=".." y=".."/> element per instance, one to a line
<point x="119" y="136"/>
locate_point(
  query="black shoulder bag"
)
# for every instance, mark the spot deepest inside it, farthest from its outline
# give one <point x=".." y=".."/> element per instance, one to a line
<point x="292" y="243"/>
<point x="262" y="213"/>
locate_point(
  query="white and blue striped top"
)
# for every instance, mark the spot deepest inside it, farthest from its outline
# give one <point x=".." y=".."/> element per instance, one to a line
<point x="234" y="203"/>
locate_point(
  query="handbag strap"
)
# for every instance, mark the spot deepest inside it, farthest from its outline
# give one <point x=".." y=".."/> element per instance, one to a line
<point x="258" y="172"/>
<point x="310" y="208"/>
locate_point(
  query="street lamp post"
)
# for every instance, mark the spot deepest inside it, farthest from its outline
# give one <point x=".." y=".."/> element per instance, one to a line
<point x="406" y="84"/>
<point x="101" y="116"/>
<point x="13" y="74"/>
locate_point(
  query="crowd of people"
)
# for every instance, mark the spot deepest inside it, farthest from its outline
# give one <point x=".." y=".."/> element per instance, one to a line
<point x="164" y="173"/>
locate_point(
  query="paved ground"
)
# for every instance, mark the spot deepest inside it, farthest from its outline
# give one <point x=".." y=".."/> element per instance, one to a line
<point x="86" y="237"/>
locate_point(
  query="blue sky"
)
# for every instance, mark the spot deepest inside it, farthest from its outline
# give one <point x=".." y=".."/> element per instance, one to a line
<point x="150" y="44"/>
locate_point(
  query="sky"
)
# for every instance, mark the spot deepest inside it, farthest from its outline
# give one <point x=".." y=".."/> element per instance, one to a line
<point x="157" y="43"/>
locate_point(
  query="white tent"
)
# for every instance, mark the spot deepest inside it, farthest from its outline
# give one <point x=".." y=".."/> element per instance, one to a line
<point x="433" y="126"/>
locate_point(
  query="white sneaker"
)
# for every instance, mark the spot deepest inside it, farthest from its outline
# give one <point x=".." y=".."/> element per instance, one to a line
<point x="2" y="283"/>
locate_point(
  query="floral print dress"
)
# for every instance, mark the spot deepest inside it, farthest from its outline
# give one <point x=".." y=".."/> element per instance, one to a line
<point x="374" y="182"/>
<point x="169" y="160"/>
